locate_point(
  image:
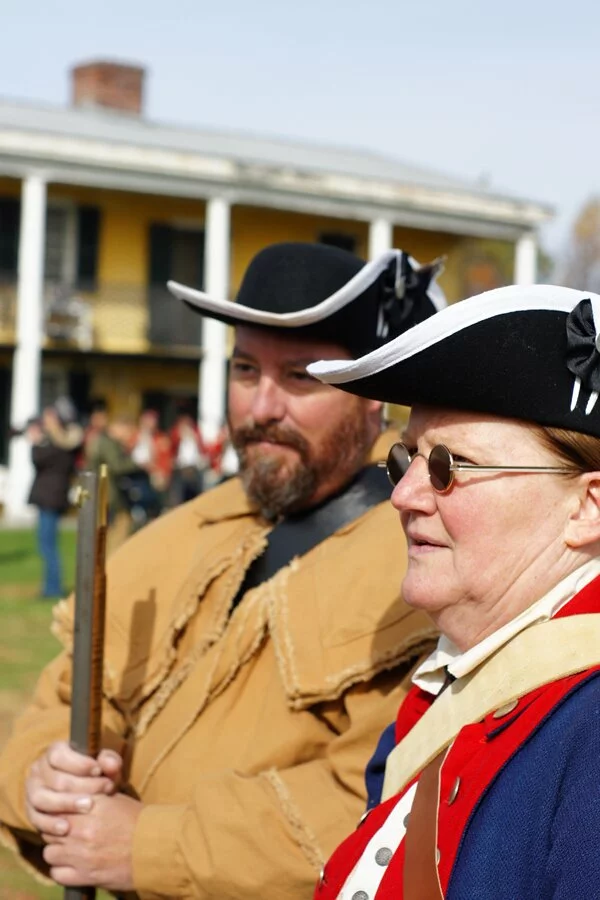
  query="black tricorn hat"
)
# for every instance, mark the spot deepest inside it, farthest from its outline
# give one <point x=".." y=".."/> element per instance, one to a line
<point x="520" y="352"/>
<point x="325" y="293"/>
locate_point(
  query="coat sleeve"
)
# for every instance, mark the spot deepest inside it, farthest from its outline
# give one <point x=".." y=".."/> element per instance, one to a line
<point x="273" y="830"/>
<point x="44" y="721"/>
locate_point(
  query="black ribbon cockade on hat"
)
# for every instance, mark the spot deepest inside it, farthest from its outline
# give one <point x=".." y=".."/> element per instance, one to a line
<point x="403" y="291"/>
<point x="582" y="356"/>
<point x="396" y="305"/>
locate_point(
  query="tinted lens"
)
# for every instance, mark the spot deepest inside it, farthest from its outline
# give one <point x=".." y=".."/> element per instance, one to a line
<point x="398" y="462"/>
<point x="440" y="472"/>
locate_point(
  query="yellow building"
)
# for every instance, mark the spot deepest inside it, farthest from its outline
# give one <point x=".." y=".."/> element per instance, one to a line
<point x="99" y="207"/>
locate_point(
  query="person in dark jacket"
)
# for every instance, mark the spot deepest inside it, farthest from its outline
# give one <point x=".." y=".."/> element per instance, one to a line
<point x="55" y="439"/>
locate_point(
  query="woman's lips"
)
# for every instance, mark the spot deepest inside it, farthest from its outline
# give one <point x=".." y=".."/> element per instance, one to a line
<point x="419" y="544"/>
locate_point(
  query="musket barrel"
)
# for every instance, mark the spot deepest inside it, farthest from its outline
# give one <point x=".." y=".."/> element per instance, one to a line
<point x="88" y="642"/>
<point x="98" y="615"/>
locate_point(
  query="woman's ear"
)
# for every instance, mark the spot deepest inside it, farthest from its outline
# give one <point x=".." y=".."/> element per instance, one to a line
<point x="583" y="526"/>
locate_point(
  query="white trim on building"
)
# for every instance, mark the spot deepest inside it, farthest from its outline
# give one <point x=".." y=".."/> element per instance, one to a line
<point x="27" y="362"/>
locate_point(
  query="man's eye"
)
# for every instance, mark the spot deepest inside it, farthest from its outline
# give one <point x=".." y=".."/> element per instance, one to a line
<point x="302" y="375"/>
<point x="242" y="368"/>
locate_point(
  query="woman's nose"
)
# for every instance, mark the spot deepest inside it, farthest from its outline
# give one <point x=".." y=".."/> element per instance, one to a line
<point x="414" y="490"/>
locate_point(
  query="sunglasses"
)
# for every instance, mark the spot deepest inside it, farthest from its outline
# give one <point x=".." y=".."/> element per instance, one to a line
<point x="441" y="466"/>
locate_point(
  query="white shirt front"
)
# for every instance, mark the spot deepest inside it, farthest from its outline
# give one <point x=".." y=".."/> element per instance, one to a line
<point x="188" y="454"/>
<point x="142" y="453"/>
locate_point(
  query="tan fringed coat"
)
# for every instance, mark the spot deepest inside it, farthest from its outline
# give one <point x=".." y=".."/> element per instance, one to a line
<point x="246" y="735"/>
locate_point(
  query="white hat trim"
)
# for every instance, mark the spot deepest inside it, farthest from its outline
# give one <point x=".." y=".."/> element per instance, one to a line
<point x="447" y="322"/>
<point x="352" y="289"/>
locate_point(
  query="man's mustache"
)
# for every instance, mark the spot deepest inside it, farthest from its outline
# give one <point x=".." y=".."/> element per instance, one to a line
<point x="273" y="434"/>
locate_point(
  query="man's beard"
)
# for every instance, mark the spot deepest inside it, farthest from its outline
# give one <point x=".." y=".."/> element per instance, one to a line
<point x="279" y="488"/>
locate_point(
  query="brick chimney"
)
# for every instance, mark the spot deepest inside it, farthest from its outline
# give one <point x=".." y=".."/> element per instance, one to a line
<point x="108" y="84"/>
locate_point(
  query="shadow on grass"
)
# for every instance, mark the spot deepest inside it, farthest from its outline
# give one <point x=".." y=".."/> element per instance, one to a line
<point x="14" y="555"/>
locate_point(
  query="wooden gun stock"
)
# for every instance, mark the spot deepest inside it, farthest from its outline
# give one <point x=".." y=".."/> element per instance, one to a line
<point x="88" y="645"/>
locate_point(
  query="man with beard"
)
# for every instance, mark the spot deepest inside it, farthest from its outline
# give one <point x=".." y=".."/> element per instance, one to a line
<point x="256" y="640"/>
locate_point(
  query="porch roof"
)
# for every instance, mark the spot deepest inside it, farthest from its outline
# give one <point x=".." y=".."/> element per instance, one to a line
<point x="111" y="149"/>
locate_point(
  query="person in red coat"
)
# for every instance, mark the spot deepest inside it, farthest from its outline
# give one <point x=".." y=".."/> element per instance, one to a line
<point x="493" y="788"/>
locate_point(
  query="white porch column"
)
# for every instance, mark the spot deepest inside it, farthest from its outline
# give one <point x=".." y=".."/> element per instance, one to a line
<point x="526" y="259"/>
<point x="381" y="237"/>
<point x="25" y="397"/>
<point x="214" y="334"/>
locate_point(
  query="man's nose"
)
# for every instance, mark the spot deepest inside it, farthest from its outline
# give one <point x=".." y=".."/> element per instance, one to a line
<point x="269" y="402"/>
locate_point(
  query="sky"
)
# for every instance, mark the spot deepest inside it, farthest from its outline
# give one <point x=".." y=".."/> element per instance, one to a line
<point x="508" y="93"/>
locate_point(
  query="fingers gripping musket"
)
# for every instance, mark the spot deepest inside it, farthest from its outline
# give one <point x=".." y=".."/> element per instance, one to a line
<point x="88" y="645"/>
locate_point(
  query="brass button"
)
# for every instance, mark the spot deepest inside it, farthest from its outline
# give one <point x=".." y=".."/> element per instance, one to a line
<point x="454" y="792"/>
<point x="360" y="895"/>
<point x="406" y="820"/>
<point x="383" y="856"/>
<point x="505" y="710"/>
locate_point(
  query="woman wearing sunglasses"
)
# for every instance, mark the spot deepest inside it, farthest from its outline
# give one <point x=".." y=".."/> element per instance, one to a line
<point x="493" y="787"/>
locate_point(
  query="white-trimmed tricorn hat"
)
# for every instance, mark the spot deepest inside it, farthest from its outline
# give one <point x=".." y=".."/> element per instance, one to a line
<point x="325" y="293"/>
<point x="524" y="352"/>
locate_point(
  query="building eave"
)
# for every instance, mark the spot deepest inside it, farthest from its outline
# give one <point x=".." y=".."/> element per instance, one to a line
<point x="106" y="164"/>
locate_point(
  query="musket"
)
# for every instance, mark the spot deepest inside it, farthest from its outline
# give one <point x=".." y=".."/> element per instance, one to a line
<point x="90" y="613"/>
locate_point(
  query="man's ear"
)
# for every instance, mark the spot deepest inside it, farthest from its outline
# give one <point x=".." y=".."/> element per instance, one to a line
<point x="583" y="527"/>
<point x="374" y="407"/>
<point x="374" y="418"/>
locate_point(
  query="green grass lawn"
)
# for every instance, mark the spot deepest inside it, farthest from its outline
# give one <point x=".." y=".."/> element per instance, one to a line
<point x="25" y="646"/>
<point x="25" y="640"/>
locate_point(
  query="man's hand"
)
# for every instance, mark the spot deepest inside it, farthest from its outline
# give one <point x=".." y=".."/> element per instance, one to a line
<point x="97" y="850"/>
<point x="63" y="782"/>
<point x="34" y="433"/>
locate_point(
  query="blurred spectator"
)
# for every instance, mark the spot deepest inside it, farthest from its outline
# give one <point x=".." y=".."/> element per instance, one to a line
<point x="191" y="460"/>
<point x="55" y="439"/>
<point x="110" y="443"/>
<point x="154" y="453"/>
<point x="97" y="425"/>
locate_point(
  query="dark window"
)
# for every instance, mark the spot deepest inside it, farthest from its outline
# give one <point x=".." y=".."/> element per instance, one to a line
<point x="169" y="405"/>
<point x="88" y="239"/>
<point x="175" y="254"/>
<point x="72" y="239"/>
<point x="87" y="236"/>
<point x="337" y="239"/>
<point x="80" y="383"/>
<point x="55" y="257"/>
<point x="9" y="236"/>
